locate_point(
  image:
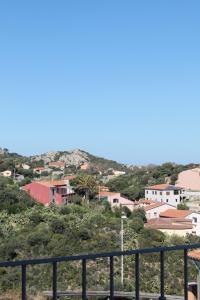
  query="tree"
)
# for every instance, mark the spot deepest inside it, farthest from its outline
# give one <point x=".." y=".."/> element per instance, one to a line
<point x="87" y="185"/>
<point x="182" y="206"/>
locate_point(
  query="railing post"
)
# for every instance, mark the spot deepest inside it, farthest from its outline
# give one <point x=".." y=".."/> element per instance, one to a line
<point x="137" y="276"/>
<point x="54" y="281"/>
<point x="111" y="278"/>
<point x="185" y="274"/>
<point x="162" y="277"/>
<point x="84" y="280"/>
<point x="23" y="282"/>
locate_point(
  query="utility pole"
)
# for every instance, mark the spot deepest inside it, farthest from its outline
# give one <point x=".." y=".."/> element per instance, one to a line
<point x="123" y="217"/>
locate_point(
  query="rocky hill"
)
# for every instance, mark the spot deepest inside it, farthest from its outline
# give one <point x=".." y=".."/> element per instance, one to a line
<point x="78" y="157"/>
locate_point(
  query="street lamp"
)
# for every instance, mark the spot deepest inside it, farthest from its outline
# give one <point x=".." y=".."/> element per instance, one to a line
<point x="123" y="217"/>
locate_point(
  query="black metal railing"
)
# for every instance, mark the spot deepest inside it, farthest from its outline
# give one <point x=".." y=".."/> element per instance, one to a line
<point x="110" y="255"/>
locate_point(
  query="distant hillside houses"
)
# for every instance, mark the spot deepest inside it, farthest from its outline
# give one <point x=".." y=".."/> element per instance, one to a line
<point x="6" y="173"/>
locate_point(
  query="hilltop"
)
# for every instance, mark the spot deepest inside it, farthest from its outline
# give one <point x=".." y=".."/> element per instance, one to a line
<point x="78" y="157"/>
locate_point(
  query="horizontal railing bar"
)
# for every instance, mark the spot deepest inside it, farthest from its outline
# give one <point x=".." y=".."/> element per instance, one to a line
<point x="96" y="256"/>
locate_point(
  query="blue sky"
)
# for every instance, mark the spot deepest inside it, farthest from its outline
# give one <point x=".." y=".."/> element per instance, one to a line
<point x="119" y="79"/>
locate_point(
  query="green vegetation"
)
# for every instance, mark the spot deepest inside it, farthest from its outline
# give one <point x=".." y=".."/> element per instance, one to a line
<point x="29" y="230"/>
<point x="132" y="185"/>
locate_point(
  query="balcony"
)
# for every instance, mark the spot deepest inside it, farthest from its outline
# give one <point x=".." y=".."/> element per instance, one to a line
<point x="84" y="293"/>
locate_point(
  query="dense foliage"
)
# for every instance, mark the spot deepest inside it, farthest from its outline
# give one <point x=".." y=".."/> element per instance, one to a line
<point x="31" y="231"/>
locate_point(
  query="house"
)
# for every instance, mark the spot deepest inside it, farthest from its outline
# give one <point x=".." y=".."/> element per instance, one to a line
<point x="143" y="203"/>
<point x="57" y="164"/>
<point x="6" y="173"/>
<point x="40" y="170"/>
<point x="170" y="226"/>
<point x="25" y="167"/>
<point x="167" y="193"/>
<point x="118" y="173"/>
<point x="154" y="210"/>
<point x="68" y="178"/>
<point x="190" y="181"/>
<point x="185" y="214"/>
<point x="116" y="200"/>
<point x="49" y="192"/>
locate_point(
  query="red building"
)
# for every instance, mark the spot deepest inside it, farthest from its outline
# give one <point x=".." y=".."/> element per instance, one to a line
<point x="47" y="192"/>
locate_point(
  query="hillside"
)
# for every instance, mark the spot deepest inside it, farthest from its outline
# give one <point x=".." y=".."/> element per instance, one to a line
<point x="77" y="157"/>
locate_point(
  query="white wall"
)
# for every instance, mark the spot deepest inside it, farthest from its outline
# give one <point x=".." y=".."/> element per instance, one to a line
<point x="155" y="212"/>
<point x="164" y="196"/>
<point x="195" y="217"/>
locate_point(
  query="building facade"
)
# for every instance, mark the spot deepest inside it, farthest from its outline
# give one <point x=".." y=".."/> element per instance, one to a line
<point x="166" y="193"/>
<point x="49" y="192"/>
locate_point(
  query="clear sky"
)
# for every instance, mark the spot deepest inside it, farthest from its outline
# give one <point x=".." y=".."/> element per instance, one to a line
<point x="118" y="78"/>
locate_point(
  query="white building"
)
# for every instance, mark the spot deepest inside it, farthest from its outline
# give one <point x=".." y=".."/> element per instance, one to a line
<point x="166" y="193"/>
<point x="171" y="226"/>
<point x="154" y="210"/>
<point x="25" y="167"/>
<point x="187" y="214"/>
<point x="6" y="173"/>
<point x="116" y="200"/>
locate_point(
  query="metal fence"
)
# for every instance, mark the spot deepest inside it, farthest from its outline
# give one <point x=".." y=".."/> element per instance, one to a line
<point x="110" y="255"/>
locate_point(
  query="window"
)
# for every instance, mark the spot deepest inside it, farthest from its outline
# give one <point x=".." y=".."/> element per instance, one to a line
<point x="161" y="193"/>
<point x="175" y="192"/>
<point x="176" y="200"/>
<point x="195" y="220"/>
<point x="167" y="193"/>
<point x="115" y="200"/>
<point x="155" y="214"/>
<point x="167" y="200"/>
<point x="147" y="192"/>
<point x="155" y="193"/>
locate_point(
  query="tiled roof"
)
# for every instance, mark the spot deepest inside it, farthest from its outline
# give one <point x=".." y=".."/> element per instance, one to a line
<point x="155" y="205"/>
<point x="145" y="201"/>
<point x="39" y="168"/>
<point x="175" y="224"/>
<point x="52" y="183"/>
<point x="175" y="213"/>
<point x="105" y="194"/>
<point x="163" y="187"/>
<point x="194" y="254"/>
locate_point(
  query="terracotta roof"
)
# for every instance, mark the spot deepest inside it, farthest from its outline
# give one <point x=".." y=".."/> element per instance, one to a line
<point x="39" y="168"/>
<point x="170" y="223"/>
<point x="145" y="201"/>
<point x="52" y="183"/>
<point x="175" y="213"/>
<point x="152" y="206"/>
<point x="163" y="187"/>
<point x="194" y="254"/>
<point x="105" y="194"/>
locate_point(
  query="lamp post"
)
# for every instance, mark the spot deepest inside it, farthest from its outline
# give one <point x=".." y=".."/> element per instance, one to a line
<point x="123" y="217"/>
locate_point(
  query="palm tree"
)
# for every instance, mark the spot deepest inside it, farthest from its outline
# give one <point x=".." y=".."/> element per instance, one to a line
<point x="88" y="185"/>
